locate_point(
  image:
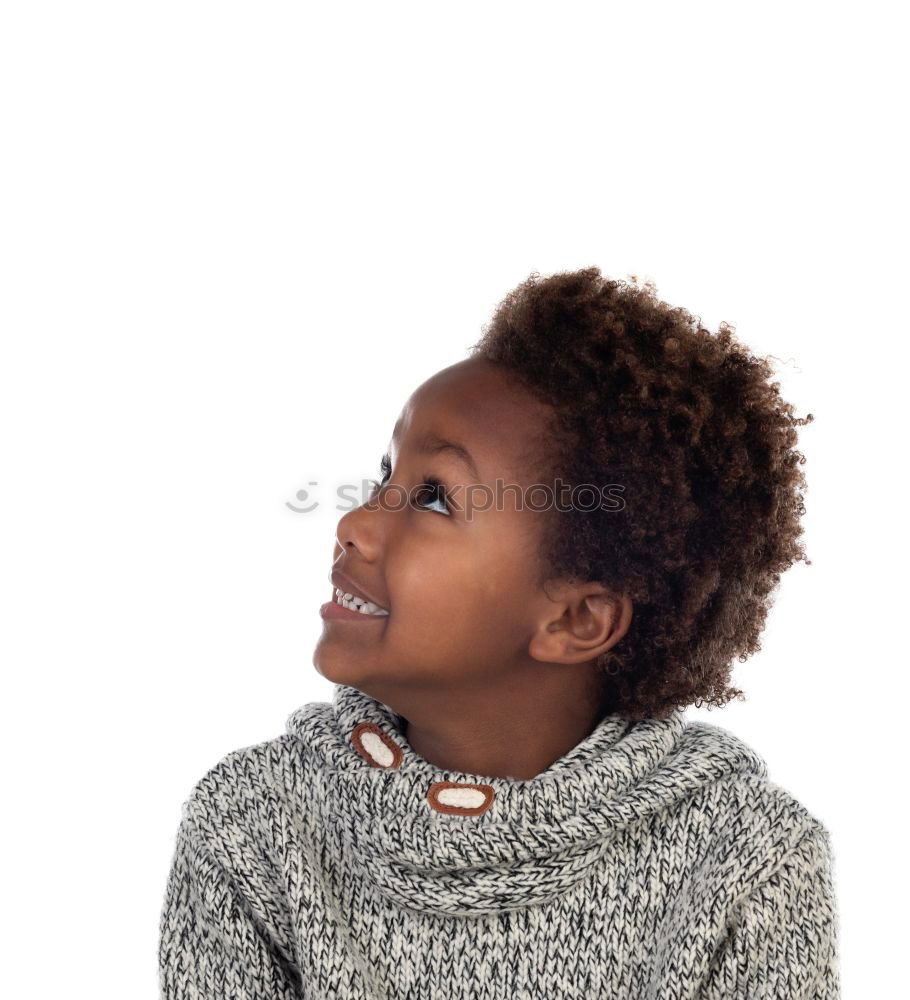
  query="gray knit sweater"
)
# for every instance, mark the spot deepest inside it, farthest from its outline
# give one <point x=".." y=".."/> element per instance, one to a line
<point x="654" y="860"/>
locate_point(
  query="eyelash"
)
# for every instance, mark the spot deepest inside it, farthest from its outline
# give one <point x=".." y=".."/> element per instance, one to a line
<point x="438" y="489"/>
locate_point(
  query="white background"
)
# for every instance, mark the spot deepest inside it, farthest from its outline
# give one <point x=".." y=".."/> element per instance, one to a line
<point x="235" y="237"/>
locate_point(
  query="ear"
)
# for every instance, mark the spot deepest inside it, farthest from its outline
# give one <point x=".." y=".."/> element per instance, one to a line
<point x="582" y="621"/>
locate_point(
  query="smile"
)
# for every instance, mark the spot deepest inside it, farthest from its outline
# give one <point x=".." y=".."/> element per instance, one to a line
<point x="354" y="603"/>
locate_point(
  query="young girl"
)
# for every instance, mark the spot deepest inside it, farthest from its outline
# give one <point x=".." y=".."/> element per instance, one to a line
<point x="578" y="529"/>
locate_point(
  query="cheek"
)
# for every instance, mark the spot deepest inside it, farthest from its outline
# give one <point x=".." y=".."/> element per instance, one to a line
<point x="441" y="580"/>
<point x="470" y="580"/>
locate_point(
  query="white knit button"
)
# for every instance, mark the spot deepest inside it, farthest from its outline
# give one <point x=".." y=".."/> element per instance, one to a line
<point x="464" y="798"/>
<point x="376" y="747"/>
<point x="460" y="799"/>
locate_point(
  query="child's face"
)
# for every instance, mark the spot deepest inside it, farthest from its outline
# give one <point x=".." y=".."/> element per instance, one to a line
<point x="462" y="594"/>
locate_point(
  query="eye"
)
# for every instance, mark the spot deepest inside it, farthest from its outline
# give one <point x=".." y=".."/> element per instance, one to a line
<point x="436" y="492"/>
<point x="431" y="488"/>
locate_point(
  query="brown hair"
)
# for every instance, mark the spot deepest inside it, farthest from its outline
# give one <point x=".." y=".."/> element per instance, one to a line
<point x="688" y="423"/>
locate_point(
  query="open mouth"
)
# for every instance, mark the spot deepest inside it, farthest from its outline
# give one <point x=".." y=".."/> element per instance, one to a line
<point x="353" y="602"/>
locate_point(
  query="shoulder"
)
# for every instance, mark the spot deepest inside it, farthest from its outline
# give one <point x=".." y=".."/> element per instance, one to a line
<point x="768" y="885"/>
<point x="753" y="824"/>
<point x="228" y="910"/>
<point x="266" y="789"/>
<point x="741" y="770"/>
<point x="255" y="764"/>
<point x="247" y="796"/>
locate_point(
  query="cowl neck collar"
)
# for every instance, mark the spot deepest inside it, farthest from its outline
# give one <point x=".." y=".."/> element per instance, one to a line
<point x="455" y="843"/>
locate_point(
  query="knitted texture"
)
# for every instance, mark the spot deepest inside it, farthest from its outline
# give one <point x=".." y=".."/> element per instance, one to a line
<point x="653" y="860"/>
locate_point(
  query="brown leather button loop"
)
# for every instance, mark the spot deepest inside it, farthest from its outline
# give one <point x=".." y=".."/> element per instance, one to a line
<point x="376" y="747"/>
<point x="460" y="799"/>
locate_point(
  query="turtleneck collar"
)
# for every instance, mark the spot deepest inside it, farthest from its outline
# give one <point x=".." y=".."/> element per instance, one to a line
<point x="455" y="843"/>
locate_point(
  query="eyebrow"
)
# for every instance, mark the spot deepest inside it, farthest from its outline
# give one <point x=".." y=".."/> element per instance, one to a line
<point x="432" y="444"/>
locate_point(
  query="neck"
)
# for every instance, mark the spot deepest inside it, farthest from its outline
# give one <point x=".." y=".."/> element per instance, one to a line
<point x="514" y="730"/>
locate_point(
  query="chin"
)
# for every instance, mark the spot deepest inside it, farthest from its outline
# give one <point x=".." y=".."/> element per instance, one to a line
<point x="338" y="665"/>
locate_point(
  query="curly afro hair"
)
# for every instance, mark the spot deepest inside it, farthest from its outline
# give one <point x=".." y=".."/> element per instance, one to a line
<point x="688" y="423"/>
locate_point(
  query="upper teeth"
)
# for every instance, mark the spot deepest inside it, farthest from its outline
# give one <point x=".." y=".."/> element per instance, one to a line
<point x="358" y="604"/>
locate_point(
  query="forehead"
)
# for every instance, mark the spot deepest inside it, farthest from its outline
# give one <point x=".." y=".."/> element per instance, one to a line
<point x="481" y="407"/>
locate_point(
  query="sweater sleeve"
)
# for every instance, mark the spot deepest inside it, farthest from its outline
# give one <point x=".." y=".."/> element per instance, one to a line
<point x="783" y="938"/>
<point x="214" y="938"/>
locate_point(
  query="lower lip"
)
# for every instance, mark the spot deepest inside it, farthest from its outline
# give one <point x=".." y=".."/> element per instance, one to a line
<point x="332" y="610"/>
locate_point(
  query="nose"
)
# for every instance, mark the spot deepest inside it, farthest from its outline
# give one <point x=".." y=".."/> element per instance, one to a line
<point x="359" y="530"/>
